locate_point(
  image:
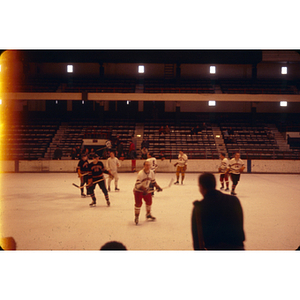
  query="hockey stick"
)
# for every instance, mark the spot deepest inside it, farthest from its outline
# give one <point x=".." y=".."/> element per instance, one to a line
<point x="166" y="187"/>
<point x="81" y="187"/>
<point x="169" y="185"/>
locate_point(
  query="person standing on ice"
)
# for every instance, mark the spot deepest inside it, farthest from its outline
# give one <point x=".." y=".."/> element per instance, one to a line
<point x="95" y="176"/>
<point x="181" y="166"/>
<point x="235" y="167"/>
<point x="112" y="165"/>
<point x="153" y="166"/>
<point x="223" y="172"/>
<point x="82" y="170"/>
<point x="142" y="191"/>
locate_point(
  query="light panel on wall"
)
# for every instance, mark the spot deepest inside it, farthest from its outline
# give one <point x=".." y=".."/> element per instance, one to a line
<point x="283" y="103"/>
<point x="212" y="70"/>
<point x="0" y="68"/>
<point x="70" y="68"/>
<point x="211" y="103"/>
<point x="283" y="70"/>
<point x="0" y="101"/>
<point x="141" y="69"/>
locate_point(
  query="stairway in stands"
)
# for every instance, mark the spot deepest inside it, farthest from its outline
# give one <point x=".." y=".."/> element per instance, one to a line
<point x="220" y="145"/>
<point x="280" y="140"/>
<point x="56" y="141"/>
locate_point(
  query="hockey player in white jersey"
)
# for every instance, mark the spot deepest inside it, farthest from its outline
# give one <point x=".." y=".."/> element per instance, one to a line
<point x="142" y="191"/>
<point x="181" y="166"/>
<point x="112" y="165"/>
<point x="153" y="167"/>
<point x="223" y="172"/>
<point x="235" y="167"/>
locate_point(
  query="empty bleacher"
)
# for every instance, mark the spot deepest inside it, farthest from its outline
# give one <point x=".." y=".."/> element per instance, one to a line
<point x="201" y="145"/>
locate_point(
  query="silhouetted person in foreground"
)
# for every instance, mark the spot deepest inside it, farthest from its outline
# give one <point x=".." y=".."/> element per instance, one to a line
<point x="217" y="220"/>
<point x="113" y="246"/>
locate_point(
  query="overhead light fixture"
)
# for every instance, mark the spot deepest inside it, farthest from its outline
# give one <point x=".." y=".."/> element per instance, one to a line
<point x="211" y="103"/>
<point x="70" y="68"/>
<point x="284" y="70"/>
<point x="283" y="103"/>
<point x="141" y="69"/>
<point x="212" y="70"/>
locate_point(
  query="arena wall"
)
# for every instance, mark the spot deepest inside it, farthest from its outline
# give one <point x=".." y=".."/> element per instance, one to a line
<point x="194" y="166"/>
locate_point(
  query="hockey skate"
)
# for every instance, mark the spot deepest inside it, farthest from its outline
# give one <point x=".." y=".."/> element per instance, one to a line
<point x="136" y="220"/>
<point x="227" y="190"/>
<point x="233" y="193"/>
<point x="108" y="189"/>
<point x="222" y="188"/>
<point x="150" y="217"/>
<point x="83" y="195"/>
<point x="93" y="203"/>
<point x="116" y="189"/>
<point x="177" y="182"/>
<point x="108" y="203"/>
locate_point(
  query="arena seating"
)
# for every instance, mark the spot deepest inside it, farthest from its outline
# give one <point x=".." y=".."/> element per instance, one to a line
<point x="93" y="85"/>
<point x="258" y="87"/>
<point x="201" y="145"/>
<point x="184" y="86"/>
<point x="27" y="142"/>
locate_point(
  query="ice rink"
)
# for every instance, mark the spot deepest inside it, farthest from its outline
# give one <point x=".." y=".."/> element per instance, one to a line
<point x="45" y="212"/>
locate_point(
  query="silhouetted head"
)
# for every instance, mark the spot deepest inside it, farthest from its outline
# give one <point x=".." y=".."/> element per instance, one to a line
<point x="207" y="182"/>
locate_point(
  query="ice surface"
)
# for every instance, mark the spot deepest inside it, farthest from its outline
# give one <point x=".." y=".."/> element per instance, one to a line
<point x="45" y="212"/>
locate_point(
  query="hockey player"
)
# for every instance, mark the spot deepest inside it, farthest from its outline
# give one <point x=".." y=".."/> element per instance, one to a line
<point x="181" y="166"/>
<point x="82" y="170"/>
<point x="96" y="170"/>
<point x="235" y="167"/>
<point x="142" y="191"/>
<point x="223" y="173"/>
<point x="112" y="165"/>
<point x="153" y="167"/>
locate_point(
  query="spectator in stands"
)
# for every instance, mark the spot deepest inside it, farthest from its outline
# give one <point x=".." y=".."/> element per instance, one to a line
<point x="144" y="152"/>
<point x="217" y="220"/>
<point x="122" y="156"/>
<point x="73" y="153"/>
<point x="161" y="156"/>
<point x="120" y="150"/>
<point x="132" y="151"/>
<point x="113" y="246"/>
<point x="78" y="152"/>
<point x="167" y="129"/>
<point x="145" y="143"/>
<point x="230" y="131"/>
<point x="116" y="142"/>
<point x="161" y="130"/>
<point x="86" y="151"/>
<point x="193" y="131"/>
<point x="204" y="127"/>
<point x="57" y="153"/>
<point x="108" y="145"/>
<point x="92" y="153"/>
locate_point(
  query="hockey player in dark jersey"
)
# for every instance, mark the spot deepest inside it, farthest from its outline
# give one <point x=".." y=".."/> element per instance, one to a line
<point x="82" y="170"/>
<point x="95" y="176"/>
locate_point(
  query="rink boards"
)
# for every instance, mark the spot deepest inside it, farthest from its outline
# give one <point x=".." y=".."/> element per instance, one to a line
<point x="166" y="166"/>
